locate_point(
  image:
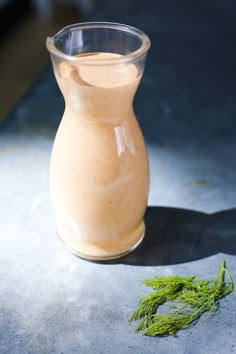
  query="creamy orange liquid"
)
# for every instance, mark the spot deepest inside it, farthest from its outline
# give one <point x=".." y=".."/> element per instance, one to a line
<point x="99" y="169"/>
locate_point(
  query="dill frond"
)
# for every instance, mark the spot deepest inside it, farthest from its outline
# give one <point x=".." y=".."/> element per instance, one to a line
<point x="187" y="297"/>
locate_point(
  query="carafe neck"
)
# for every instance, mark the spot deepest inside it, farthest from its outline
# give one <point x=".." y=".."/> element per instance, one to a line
<point x="98" y="103"/>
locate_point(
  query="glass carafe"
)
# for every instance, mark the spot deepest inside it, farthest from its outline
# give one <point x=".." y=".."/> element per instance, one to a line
<point x="99" y="174"/>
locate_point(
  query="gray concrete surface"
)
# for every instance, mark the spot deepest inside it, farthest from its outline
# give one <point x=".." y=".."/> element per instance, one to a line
<point x="53" y="302"/>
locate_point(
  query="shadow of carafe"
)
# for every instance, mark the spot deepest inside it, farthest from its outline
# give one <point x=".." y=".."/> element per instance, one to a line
<point x="178" y="236"/>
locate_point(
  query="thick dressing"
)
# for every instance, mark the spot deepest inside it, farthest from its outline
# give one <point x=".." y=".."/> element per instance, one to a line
<point x="99" y="169"/>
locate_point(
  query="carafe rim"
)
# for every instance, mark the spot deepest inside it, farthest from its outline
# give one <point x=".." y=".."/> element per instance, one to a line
<point x="127" y="58"/>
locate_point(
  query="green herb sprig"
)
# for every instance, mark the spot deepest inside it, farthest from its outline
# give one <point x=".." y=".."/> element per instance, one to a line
<point x="187" y="297"/>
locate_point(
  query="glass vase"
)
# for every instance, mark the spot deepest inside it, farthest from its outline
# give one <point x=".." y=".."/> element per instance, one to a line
<point x="99" y="174"/>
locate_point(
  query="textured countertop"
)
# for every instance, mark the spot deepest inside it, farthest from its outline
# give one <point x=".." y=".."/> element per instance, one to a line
<point x="53" y="302"/>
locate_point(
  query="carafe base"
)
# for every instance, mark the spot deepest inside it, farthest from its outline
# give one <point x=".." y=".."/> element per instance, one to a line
<point x="106" y="255"/>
